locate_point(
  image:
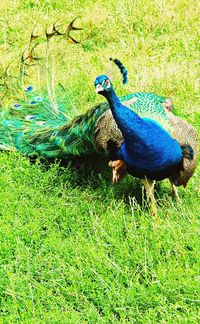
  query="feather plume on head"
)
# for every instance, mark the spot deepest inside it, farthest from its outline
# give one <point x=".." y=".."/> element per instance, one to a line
<point x="122" y="68"/>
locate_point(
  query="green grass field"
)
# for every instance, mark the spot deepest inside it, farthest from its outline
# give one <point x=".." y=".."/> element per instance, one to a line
<point x="73" y="247"/>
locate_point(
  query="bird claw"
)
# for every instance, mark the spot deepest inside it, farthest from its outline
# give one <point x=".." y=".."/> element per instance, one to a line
<point x="119" y="170"/>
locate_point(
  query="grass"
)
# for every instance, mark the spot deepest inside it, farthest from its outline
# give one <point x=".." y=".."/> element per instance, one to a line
<point x="75" y="248"/>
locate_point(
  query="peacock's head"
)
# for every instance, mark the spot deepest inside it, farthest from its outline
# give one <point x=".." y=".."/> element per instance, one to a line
<point x="103" y="84"/>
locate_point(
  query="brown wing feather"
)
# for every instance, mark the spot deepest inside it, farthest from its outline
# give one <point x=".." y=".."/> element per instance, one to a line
<point x="184" y="133"/>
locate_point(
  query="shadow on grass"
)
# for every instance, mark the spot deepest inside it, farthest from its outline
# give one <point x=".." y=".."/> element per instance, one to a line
<point x="94" y="173"/>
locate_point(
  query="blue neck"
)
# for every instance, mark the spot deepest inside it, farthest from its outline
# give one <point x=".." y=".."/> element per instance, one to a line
<point x="127" y="120"/>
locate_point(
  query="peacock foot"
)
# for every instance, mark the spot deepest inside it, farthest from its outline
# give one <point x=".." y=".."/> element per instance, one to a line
<point x="119" y="170"/>
<point x="149" y="187"/>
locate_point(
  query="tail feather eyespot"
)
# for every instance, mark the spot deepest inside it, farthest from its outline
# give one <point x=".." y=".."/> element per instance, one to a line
<point x="29" y="89"/>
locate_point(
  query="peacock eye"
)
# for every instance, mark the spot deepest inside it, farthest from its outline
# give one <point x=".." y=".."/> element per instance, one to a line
<point x="106" y="82"/>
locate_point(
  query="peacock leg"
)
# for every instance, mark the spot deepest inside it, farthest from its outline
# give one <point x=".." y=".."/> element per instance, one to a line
<point x="119" y="170"/>
<point x="174" y="190"/>
<point x="149" y="187"/>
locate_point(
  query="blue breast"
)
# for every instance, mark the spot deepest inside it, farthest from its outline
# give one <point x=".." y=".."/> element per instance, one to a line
<point x="149" y="147"/>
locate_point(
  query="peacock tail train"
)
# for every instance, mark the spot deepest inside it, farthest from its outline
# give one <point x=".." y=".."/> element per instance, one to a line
<point x="33" y="127"/>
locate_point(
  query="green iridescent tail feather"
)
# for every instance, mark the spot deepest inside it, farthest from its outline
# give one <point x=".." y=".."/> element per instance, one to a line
<point x="63" y="141"/>
<point x="32" y="127"/>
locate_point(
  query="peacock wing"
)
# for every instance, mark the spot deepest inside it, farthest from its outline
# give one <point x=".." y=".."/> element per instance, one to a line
<point x="149" y="105"/>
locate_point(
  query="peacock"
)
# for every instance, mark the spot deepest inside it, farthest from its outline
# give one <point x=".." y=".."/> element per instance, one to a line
<point x="148" y="150"/>
<point x="32" y="126"/>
